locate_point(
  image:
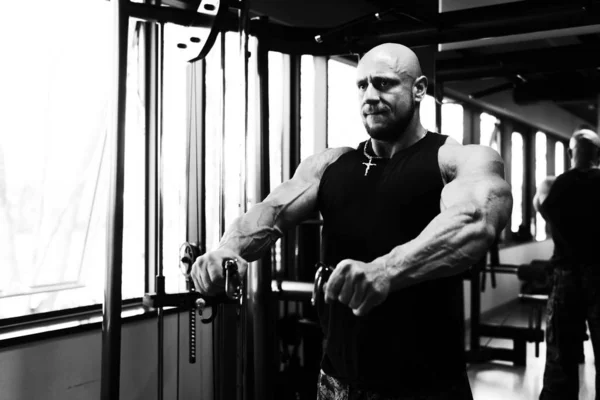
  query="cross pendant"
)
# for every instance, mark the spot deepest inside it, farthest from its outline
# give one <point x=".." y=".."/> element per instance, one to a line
<point x="368" y="165"/>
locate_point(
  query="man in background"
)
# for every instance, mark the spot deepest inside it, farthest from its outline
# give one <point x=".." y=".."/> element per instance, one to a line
<point x="570" y="203"/>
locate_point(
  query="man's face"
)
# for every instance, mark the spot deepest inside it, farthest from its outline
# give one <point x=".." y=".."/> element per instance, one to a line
<point x="386" y="97"/>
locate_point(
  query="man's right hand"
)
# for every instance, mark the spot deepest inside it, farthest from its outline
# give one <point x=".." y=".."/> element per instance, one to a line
<point x="207" y="271"/>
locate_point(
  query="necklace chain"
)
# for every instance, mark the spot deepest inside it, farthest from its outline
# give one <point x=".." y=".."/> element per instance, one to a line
<point x="370" y="157"/>
<point x="369" y="164"/>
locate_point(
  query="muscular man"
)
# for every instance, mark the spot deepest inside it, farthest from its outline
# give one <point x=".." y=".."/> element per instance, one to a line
<point x="570" y="205"/>
<point x="404" y="214"/>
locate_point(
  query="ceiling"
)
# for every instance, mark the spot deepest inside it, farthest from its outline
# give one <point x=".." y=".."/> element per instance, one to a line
<point x="536" y="50"/>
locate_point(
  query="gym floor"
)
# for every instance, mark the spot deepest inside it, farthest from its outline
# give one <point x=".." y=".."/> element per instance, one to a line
<point x="499" y="380"/>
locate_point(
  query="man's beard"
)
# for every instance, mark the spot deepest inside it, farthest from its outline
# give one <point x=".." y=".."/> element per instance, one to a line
<point x="395" y="129"/>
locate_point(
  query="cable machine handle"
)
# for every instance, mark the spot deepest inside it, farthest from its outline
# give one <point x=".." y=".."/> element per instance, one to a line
<point x="321" y="277"/>
<point x="233" y="281"/>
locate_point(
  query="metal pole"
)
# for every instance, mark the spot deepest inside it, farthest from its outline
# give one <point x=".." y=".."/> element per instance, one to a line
<point x="153" y="119"/>
<point x="598" y="110"/>
<point x="156" y="68"/>
<point x="260" y="332"/>
<point x="265" y="328"/>
<point x="475" y="308"/>
<point x="225" y="326"/>
<point x="245" y="331"/>
<point x="111" y="324"/>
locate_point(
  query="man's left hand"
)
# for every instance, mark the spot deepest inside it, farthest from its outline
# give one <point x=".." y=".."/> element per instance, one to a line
<point x="359" y="285"/>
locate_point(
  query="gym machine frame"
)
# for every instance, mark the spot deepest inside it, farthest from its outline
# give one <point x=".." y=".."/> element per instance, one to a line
<point x="204" y="20"/>
<point x="477" y="352"/>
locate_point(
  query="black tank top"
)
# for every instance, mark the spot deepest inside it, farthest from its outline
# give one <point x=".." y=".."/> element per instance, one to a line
<point x="413" y="341"/>
<point x="573" y="207"/>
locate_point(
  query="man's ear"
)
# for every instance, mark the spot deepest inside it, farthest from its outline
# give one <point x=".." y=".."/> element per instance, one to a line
<point x="420" y="88"/>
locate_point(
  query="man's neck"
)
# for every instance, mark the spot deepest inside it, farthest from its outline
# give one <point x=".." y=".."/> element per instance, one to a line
<point x="408" y="138"/>
<point x="584" y="166"/>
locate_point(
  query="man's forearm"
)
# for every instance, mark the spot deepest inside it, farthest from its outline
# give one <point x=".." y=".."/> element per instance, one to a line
<point x="454" y="240"/>
<point x="253" y="233"/>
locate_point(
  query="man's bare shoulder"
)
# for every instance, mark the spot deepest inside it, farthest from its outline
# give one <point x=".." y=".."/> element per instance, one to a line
<point x="547" y="183"/>
<point x="542" y="192"/>
<point x="455" y="158"/>
<point x="315" y="165"/>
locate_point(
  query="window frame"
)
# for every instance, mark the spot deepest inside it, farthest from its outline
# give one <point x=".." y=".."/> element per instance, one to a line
<point x="83" y="312"/>
<point x="50" y="324"/>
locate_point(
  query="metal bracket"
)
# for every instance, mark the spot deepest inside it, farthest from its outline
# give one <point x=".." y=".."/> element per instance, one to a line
<point x="192" y="43"/>
<point x="184" y="301"/>
<point x="192" y="300"/>
<point x="193" y="25"/>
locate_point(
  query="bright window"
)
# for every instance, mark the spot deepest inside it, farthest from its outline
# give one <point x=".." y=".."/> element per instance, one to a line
<point x="344" y="123"/>
<point x="452" y="121"/>
<point x="214" y="142"/>
<point x="541" y="172"/>
<point x="234" y="160"/>
<point x="276" y="123"/>
<point x="559" y="158"/>
<point x="174" y="167"/>
<point x="489" y="131"/>
<point x="307" y="114"/>
<point x="427" y="112"/>
<point x="277" y="63"/>
<point x="517" y="180"/>
<point x="55" y="162"/>
<point x="224" y="196"/>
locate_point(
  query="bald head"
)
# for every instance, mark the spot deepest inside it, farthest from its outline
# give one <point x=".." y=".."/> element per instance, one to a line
<point x="584" y="148"/>
<point x="585" y="137"/>
<point x="403" y="59"/>
<point x="391" y="87"/>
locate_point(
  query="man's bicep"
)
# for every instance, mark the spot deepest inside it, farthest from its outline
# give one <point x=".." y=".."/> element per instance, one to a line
<point x="544" y="197"/>
<point x="481" y="160"/>
<point x="544" y="189"/>
<point x="479" y="184"/>
<point x="470" y="163"/>
<point x="480" y="192"/>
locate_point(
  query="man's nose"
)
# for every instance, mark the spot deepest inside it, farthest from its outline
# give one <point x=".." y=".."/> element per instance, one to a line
<point x="371" y="95"/>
